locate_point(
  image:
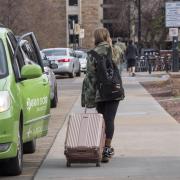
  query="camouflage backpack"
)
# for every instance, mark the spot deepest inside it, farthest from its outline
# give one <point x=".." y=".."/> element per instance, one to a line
<point x="109" y="82"/>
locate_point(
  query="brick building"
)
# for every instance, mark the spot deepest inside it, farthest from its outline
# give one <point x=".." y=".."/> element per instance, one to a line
<point x="52" y="21"/>
<point x="68" y="17"/>
<point x="73" y="15"/>
<point x="88" y="14"/>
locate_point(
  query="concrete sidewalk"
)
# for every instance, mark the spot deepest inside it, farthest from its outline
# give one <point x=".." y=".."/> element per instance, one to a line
<point x="146" y="142"/>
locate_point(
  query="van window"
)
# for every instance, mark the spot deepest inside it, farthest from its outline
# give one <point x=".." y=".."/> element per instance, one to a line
<point x="30" y="52"/>
<point x="3" y="62"/>
<point x="18" y="62"/>
<point x="19" y="55"/>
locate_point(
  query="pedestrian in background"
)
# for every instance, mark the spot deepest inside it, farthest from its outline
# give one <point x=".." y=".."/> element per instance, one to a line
<point x="131" y="54"/>
<point x="119" y="55"/>
<point x="91" y="95"/>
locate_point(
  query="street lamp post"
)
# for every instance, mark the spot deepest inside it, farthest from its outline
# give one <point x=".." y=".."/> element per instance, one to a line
<point x="139" y="25"/>
<point x="175" y="62"/>
<point x="173" y="32"/>
<point x="74" y="36"/>
<point x="129" y="19"/>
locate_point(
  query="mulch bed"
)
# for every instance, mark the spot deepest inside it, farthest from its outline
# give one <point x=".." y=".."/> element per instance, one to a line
<point x="161" y="91"/>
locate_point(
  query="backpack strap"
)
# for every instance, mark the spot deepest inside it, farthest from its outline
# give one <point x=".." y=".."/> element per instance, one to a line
<point x="99" y="57"/>
<point x="94" y="54"/>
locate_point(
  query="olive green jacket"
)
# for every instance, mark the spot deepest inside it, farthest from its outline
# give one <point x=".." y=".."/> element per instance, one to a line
<point x="119" y="51"/>
<point x="90" y="94"/>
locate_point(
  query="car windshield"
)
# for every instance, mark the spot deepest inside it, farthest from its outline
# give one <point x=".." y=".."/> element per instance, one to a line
<point x="81" y="54"/>
<point x="3" y="63"/>
<point x="55" y="52"/>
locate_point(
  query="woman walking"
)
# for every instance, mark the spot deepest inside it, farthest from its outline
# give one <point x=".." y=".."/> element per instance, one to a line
<point x="91" y="96"/>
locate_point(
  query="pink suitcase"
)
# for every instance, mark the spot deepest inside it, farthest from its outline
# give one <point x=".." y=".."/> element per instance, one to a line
<point x="85" y="138"/>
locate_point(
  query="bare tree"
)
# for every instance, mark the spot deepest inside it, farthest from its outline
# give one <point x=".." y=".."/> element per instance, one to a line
<point x="153" y="28"/>
<point x="9" y="13"/>
<point x="119" y="15"/>
<point x="153" y="22"/>
<point x="43" y="17"/>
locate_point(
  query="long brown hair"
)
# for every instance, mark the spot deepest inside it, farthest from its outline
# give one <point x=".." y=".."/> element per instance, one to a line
<point x="101" y="35"/>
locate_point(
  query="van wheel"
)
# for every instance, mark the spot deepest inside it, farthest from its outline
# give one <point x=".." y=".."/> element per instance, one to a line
<point x="54" y="101"/>
<point x="29" y="147"/>
<point x="14" y="165"/>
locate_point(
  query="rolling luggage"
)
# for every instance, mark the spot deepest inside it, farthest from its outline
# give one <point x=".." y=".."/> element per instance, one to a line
<point x="85" y="138"/>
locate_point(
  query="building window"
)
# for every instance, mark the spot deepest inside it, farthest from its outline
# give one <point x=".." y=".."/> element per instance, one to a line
<point x="74" y="39"/>
<point x="73" y="2"/>
<point x="72" y="18"/>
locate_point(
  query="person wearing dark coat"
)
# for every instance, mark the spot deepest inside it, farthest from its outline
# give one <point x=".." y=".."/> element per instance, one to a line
<point x="91" y="97"/>
<point x="131" y="53"/>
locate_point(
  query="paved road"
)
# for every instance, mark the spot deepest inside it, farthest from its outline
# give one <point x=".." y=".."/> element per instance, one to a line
<point x="68" y="92"/>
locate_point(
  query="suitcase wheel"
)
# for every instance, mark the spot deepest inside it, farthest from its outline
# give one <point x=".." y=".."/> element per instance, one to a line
<point x="98" y="164"/>
<point x="68" y="164"/>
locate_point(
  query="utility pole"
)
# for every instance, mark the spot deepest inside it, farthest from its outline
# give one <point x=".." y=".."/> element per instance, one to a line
<point x="129" y="19"/>
<point x="133" y="11"/>
<point x="172" y="16"/>
<point x="74" y="36"/>
<point x="175" y="62"/>
<point x="139" y="26"/>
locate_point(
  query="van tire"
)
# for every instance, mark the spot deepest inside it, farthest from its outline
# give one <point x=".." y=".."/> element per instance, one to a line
<point x="29" y="147"/>
<point x="14" y="165"/>
<point x="54" y="101"/>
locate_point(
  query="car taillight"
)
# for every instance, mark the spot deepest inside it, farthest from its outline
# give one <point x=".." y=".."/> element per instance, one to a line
<point x="64" y="60"/>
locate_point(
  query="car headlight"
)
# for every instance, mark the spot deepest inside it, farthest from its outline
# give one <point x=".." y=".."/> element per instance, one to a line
<point x="4" y="101"/>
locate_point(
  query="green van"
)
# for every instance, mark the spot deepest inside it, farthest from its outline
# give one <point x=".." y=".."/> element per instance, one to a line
<point x="24" y="101"/>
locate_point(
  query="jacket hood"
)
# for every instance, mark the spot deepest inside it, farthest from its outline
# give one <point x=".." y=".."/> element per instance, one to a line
<point x="103" y="44"/>
<point x="102" y="48"/>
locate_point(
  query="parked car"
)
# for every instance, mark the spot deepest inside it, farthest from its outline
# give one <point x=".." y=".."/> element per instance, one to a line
<point x="66" y="60"/>
<point x="82" y="59"/>
<point x="48" y="68"/>
<point x="24" y="101"/>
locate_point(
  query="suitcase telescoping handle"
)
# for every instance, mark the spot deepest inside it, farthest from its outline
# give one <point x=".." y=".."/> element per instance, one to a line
<point x="85" y="109"/>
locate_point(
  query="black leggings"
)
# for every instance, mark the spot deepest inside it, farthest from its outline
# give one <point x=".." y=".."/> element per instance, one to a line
<point x="108" y="109"/>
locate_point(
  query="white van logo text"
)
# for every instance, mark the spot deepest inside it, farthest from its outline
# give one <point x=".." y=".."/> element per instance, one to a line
<point x="35" y="102"/>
